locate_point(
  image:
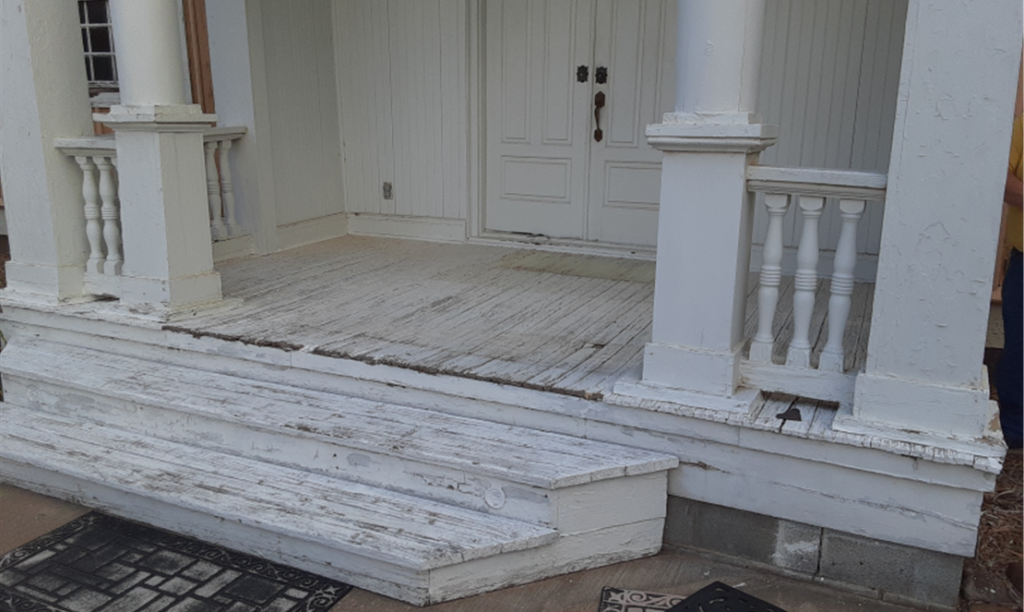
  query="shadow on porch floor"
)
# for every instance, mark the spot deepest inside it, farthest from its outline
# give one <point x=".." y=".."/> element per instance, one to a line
<point x="25" y="516"/>
<point x="566" y="323"/>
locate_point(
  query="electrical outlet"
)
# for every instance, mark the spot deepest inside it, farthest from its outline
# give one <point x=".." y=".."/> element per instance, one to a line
<point x="389" y="193"/>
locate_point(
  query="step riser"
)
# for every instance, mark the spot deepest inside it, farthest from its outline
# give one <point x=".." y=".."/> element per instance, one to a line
<point x="485" y="494"/>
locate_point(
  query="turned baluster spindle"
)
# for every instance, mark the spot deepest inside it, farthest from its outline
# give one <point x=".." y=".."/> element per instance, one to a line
<point x="771" y="275"/>
<point x="111" y="216"/>
<point x="832" y="356"/>
<point x="217" y="229"/>
<point x="227" y="187"/>
<point x="805" y="283"/>
<point x="93" y="225"/>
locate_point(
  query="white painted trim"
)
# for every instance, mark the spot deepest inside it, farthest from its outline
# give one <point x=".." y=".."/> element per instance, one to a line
<point x="476" y="151"/>
<point x="234" y="247"/>
<point x="313" y="230"/>
<point x="557" y="245"/>
<point x="394" y="226"/>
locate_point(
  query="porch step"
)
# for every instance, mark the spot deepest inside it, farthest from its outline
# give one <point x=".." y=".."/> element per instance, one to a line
<point x="186" y="449"/>
<point x="511" y="471"/>
<point x="370" y="537"/>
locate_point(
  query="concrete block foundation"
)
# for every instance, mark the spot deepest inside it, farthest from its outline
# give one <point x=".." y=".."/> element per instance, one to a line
<point x="893" y="572"/>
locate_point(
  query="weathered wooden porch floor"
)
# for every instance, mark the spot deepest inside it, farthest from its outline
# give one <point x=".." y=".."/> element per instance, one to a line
<point x="566" y="323"/>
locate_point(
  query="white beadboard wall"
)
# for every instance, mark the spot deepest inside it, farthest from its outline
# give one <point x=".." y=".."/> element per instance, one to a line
<point x="303" y="108"/>
<point x="829" y="76"/>
<point x="830" y="71"/>
<point x="403" y="98"/>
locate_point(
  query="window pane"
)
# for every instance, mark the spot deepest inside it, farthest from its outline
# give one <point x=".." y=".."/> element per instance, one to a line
<point x="85" y="41"/>
<point x="100" y="38"/>
<point x="97" y="11"/>
<point x="103" y="66"/>
<point x="88" y="70"/>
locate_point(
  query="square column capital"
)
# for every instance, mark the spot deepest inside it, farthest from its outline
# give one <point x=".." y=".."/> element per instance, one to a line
<point x="696" y="136"/>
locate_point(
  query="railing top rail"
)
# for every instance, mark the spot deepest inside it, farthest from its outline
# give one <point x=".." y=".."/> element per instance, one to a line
<point x="104" y="144"/>
<point x="217" y="134"/>
<point x="820" y="182"/>
<point x="89" y="146"/>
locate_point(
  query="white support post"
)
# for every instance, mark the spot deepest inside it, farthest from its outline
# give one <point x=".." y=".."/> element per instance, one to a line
<point x="168" y="257"/>
<point x="806" y="282"/>
<point x="705" y="218"/>
<point x="832" y="356"/>
<point x="45" y="96"/>
<point x="763" y="344"/>
<point x="949" y="154"/>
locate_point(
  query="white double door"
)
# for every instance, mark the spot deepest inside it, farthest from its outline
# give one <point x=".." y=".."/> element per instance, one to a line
<point x="549" y="63"/>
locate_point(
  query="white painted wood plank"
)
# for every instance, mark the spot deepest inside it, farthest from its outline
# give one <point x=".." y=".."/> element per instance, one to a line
<point x="520" y="455"/>
<point x="410" y="532"/>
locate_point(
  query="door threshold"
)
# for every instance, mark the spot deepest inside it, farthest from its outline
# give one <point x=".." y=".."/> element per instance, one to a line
<point x="564" y="245"/>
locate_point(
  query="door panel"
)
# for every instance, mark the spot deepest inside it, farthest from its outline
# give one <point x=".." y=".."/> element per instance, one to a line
<point x="635" y="40"/>
<point x="536" y="143"/>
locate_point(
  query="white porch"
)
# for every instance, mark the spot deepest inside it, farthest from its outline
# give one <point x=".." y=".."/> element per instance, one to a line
<point x="171" y="246"/>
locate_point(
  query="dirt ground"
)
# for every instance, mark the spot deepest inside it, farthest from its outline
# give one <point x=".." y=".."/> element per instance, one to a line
<point x="990" y="577"/>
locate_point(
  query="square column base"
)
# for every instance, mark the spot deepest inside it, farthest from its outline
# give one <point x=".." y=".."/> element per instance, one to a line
<point x="171" y="293"/>
<point x="921" y="407"/>
<point x="165" y="218"/>
<point x="697" y="370"/>
<point x="44" y="283"/>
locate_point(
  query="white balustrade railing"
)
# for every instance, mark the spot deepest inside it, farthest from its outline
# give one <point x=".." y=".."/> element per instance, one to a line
<point x="220" y="188"/>
<point x="96" y="156"/>
<point x="810" y="188"/>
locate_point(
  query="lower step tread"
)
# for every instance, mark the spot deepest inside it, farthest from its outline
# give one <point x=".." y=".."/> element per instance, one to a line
<point x="391" y="527"/>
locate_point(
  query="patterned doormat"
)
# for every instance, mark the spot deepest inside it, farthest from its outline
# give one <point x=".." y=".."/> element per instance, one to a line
<point x="623" y="600"/>
<point x="99" y="563"/>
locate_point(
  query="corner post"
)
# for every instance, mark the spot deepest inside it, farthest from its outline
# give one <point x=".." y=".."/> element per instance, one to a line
<point x="948" y="167"/>
<point x="46" y="96"/>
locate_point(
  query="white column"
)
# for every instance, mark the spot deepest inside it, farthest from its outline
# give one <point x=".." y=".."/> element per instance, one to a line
<point x="706" y="212"/>
<point x="45" y="96"/>
<point x="168" y="256"/>
<point x="949" y="154"/>
<point x="151" y="73"/>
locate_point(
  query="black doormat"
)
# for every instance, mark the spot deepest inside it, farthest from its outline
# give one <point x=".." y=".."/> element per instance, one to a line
<point x="98" y="563"/>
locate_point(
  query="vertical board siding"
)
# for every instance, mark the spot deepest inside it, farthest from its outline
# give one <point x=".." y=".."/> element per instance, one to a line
<point x="829" y="76"/>
<point x="403" y="99"/>
<point x="302" y="105"/>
